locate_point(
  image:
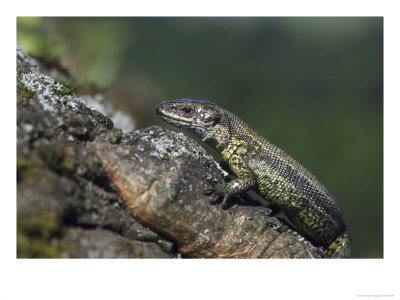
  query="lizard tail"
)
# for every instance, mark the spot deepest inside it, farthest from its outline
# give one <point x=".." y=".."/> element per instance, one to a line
<point x="340" y="247"/>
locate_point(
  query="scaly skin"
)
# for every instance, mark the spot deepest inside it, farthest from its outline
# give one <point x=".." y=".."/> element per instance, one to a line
<point x="263" y="167"/>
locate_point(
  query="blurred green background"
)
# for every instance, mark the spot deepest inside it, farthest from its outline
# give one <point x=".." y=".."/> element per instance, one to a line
<point x="312" y="86"/>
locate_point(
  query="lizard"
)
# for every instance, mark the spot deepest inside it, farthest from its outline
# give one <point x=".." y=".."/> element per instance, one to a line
<point x="263" y="167"/>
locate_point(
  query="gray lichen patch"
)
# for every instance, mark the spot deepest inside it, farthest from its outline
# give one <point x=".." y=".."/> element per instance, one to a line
<point x="56" y="97"/>
<point x="64" y="110"/>
<point x="48" y="91"/>
<point x="170" y="146"/>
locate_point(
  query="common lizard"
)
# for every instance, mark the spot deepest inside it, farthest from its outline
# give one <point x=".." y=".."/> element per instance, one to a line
<point x="265" y="168"/>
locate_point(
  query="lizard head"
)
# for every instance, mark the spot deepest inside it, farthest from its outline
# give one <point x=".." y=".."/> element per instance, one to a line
<point x="198" y="117"/>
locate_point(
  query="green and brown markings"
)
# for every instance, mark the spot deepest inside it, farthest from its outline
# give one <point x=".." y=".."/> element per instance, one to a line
<point x="262" y="166"/>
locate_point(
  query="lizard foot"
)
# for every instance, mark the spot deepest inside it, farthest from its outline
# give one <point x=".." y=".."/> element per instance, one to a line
<point x="216" y="196"/>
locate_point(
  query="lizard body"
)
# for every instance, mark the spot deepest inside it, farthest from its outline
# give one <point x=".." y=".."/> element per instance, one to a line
<point x="262" y="166"/>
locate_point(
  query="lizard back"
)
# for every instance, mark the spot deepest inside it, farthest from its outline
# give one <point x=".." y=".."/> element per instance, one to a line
<point x="287" y="184"/>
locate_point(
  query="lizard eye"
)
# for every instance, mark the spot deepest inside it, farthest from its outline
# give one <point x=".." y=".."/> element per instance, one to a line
<point x="187" y="110"/>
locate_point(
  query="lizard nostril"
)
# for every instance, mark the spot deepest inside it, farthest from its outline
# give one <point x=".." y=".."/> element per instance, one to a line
<point x="158" y="110"/>
<point x="187" y="110"/>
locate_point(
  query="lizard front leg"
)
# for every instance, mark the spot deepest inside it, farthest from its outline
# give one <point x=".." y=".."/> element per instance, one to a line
<point x="234" y="187"/>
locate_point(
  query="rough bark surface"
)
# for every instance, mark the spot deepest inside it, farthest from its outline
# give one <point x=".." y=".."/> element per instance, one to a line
<point x="88" y="189"/>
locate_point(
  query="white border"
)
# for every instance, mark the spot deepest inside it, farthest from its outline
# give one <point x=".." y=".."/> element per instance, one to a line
<point x="199" y="279"/>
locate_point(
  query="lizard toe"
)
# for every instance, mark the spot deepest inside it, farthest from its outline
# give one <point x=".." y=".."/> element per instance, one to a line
<point x="225" y="204"/>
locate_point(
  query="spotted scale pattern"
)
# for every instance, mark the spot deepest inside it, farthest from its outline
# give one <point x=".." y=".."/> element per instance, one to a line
<point x="271" y="172"/>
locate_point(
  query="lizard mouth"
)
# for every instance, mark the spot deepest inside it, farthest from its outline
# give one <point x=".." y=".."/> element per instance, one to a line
<point x="168" y="112"/>
<point x="159" y="110"/>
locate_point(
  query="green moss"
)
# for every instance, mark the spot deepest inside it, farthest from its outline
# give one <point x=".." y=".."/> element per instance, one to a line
<point x="66" y="89"/>
<point x="58" y="158"/>
<point x="35" y="234"/>
<point x="114" y="135"/>
<point x="131" y="248"/>
<point x="24" y="92"/>
<point x="23" y="168"/>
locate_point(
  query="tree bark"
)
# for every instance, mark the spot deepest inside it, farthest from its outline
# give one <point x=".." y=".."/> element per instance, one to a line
<point x="88" y="189"/>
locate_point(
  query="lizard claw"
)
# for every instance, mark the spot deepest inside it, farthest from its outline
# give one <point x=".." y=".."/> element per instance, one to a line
<point x="224" y="203"/>
<point x="216" y="195"/>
